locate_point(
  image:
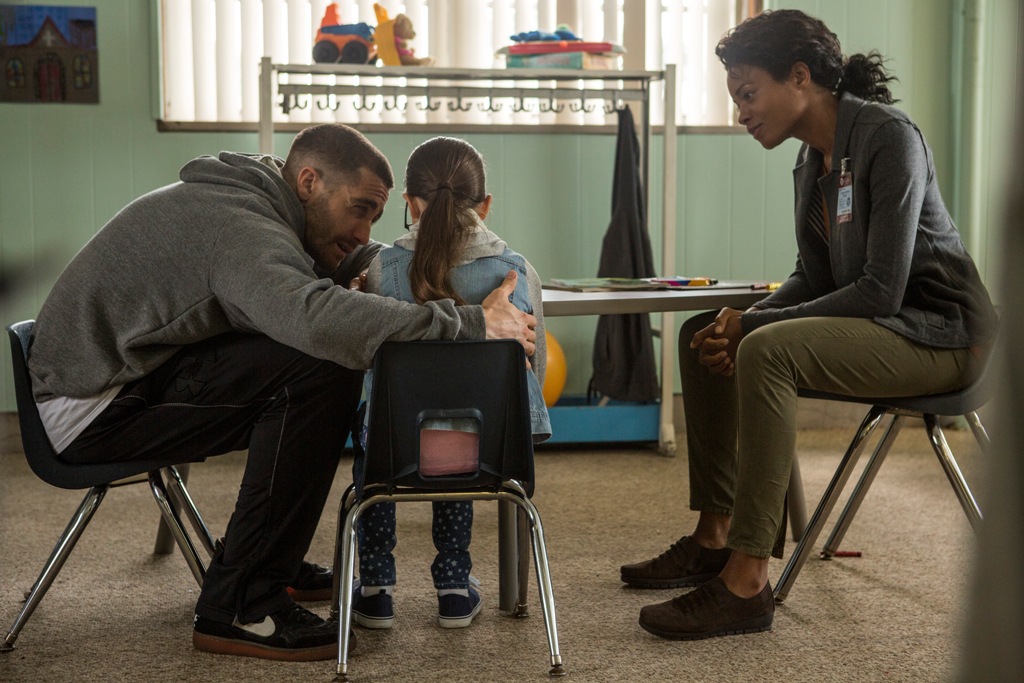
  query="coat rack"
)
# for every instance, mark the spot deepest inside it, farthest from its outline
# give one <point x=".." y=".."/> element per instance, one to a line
<point x="427" y="89"/>
<point x="363" y="88"/>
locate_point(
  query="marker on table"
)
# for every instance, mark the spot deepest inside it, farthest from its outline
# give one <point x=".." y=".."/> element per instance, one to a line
<point x="686" y="281"/>
<point x="769" y="286"/>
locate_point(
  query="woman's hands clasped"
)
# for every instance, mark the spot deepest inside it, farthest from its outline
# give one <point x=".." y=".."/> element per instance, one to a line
<point x="716" y="344"/>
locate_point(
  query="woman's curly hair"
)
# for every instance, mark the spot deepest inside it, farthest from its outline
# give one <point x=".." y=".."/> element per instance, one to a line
<point x="776" y="40"/>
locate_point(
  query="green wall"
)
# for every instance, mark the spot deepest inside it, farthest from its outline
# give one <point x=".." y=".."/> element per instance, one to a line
<point x="65" y="169"/>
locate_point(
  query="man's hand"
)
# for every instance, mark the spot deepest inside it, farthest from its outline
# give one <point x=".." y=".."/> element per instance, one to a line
<point x="505" y="321"/>
<point x="716" y="344"/>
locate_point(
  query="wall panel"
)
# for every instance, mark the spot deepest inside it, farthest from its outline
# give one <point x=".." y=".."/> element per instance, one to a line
<point x="64" y="170"/>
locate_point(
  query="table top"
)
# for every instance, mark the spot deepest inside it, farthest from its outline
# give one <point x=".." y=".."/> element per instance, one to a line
<point x="732" y="294"/>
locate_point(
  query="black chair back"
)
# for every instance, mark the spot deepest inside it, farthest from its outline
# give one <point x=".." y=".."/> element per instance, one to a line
<point x="482" y="380"/>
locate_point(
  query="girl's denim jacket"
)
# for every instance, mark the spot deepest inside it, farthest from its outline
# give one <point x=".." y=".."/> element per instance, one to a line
<point x="473" y="281"/>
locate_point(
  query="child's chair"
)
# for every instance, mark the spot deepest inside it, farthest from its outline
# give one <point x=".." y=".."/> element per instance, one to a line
<point x="416" y="387"/>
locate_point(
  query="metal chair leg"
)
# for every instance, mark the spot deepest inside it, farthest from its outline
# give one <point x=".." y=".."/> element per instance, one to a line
<point x="828" y="551"/>
<point x="60" y="554"/>
<point x="828" y="501"/>
<point x="980" y="433"/>
<point x="347" y="536"/>
<point x="547" y="598"/>
<point x="952" y="470"/>
<point x="173" y="520"/>
<point x="511" y="493"/>
<point x="164" y="544"/>
<point x="347" y="500"/>
<point x="176" y="480"/>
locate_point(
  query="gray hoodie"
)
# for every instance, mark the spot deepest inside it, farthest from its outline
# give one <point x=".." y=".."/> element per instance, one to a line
<point x="219" y="251"/>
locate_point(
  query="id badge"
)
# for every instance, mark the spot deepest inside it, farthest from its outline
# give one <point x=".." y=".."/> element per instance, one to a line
<point x="844" y="208"/>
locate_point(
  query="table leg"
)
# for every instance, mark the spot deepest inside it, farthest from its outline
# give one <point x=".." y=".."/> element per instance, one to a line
<point x="666" y="423"/>
<point x="508" y="556"/>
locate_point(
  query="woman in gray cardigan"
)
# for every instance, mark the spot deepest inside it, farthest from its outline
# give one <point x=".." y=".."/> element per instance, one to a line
<point x="884" y="301"/>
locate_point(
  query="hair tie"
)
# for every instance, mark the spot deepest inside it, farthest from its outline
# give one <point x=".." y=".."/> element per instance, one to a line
<point x="445" y="186"/>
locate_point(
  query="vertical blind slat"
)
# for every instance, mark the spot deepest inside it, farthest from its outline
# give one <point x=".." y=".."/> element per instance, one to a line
<point x="251" y="24"/>
<point x="178" y="95"/>
<point x="204" y="21"/>
<point x="227" y="27"/>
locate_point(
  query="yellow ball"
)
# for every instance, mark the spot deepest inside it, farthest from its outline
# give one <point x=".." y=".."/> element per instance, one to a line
<point x="554" y="380"/>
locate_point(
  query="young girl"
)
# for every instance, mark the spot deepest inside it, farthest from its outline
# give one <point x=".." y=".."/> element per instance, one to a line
<point x="448" y="253"/>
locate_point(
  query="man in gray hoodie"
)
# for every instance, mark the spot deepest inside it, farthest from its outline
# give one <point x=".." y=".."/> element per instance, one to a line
<point x="213" y="315"/>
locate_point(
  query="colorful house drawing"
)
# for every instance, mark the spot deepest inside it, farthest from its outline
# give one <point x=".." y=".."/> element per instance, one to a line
<point x="48" y="54"/>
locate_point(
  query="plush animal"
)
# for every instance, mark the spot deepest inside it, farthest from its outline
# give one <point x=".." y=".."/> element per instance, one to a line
<point x="403" y="34"/>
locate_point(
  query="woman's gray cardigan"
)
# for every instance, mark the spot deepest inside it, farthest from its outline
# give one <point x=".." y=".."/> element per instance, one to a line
<point x="900" y="260"/>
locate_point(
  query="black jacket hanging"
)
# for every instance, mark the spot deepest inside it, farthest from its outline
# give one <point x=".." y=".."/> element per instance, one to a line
<point x="624" y="367"/>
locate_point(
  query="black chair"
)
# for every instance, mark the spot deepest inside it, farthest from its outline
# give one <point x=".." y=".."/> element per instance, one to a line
<point x="98" y="478"/>
<point x="931" y="408"/>
<point x="414" y="383"/>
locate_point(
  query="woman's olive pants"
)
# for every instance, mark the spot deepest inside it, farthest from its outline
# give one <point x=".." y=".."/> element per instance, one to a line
<point x="741" y="430"/>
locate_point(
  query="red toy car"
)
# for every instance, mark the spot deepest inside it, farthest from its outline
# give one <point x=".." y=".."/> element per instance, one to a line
<point x="345" y="43"/>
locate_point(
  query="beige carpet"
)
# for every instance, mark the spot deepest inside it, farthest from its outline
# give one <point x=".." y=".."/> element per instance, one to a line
<point x="119" y="613"/>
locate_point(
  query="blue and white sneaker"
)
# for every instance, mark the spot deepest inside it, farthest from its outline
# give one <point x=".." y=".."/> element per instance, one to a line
<point x="373" y="611"/>
<point x="457" y="611"/>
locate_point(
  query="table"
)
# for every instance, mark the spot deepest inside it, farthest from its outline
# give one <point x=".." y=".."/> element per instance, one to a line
<point x="739" y="295"/>
<point x="734" y="295"/>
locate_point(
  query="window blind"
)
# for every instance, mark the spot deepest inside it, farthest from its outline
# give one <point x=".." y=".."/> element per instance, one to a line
<point x="210" y="53"/>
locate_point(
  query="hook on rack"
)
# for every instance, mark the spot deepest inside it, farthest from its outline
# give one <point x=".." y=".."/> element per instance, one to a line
<point x="394" y="103"/>
<point x="614" y="104"/>
<point x="458" y="104"/>
<point x="361" y="102"/>
<point x="328" y="102"/>
<point x="551" y="106"/>
<point x="301" y="103"/>
<point x="582" y="106"/>
<point x="491" y="105"/>
<point x="427" y="105"/>
<point x="520" y="105"/>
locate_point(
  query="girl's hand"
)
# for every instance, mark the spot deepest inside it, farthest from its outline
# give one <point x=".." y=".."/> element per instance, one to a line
<point x="358" y="283"/>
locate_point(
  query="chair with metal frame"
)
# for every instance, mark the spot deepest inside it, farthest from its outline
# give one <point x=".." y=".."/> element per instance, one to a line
<point x="413" y="384"/>
<point x="97" y="478"/>
<point x="964" y="402"/>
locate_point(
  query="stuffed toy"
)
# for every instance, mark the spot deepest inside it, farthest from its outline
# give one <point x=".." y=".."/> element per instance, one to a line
<point x="403" y="34"/>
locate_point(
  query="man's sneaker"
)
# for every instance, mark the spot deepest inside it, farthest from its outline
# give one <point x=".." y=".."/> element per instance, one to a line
<point x="710" y="610"/>
<point x="372" y="611"/>
<point x="686" y="563"/>
<point x="292" y="634"/>
<point x="457" y="611"/>
<point x="312" y="583"/>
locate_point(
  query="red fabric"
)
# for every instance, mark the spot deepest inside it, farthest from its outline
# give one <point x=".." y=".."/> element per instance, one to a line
<point x="445" y="452"/>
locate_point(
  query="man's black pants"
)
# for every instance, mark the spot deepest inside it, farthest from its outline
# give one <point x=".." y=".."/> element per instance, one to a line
<point x="235" y="392"/>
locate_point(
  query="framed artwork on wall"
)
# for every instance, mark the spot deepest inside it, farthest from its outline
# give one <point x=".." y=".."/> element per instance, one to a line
<point x="48" y="54"/>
